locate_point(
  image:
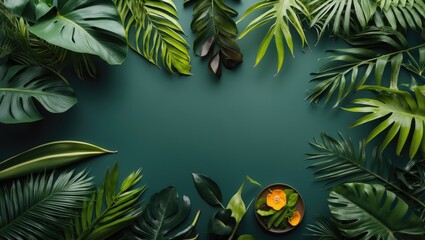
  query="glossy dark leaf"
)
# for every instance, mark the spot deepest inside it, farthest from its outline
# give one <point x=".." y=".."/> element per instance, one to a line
<point x="207" y="189"/>
<point x="21" y="86"/>
<point x="222" y="223"/>
<point x="163" y="214"/>
<point x="216" y="30"/>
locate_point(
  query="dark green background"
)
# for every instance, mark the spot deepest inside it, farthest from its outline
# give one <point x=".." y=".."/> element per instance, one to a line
<point x="249" y="122"/>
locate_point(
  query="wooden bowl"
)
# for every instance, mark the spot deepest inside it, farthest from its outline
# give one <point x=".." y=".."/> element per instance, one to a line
<point x="299" y="206"/>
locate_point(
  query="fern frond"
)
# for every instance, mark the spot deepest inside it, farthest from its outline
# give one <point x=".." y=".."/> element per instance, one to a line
<point x="157" y="30"/>
<point x="280" y="14"/>
<point x="324" y="229"/>
<point x="108" y="212"/>
<point x="337" y="161"/>
<point x="40" y="206"/>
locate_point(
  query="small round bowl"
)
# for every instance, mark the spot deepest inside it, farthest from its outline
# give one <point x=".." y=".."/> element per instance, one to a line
<point x="299" y="206"/>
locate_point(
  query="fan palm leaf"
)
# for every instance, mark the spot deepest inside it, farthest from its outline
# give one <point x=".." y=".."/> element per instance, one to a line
<point x="399" y="112"/>
<point x="337" y="160"/>
<point x="40" y="206"/>
<point x="324" y="229"/>
<point x="156" y="28"/>
<point x="280" y="14"/>
<point x="366" y="211"/>
<point x="107" y="211"/>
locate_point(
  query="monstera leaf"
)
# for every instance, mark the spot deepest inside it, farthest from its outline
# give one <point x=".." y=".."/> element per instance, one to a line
<point x="366" y="211"/>
<point x="399" y="112"/>
<point x="90" y="26"/>
<point x="20" y="85"/>
<point x="164" y="213"/>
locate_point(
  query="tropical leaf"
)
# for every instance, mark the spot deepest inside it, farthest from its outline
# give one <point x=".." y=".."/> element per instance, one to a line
<point x="208" y="189"/>
<point x="324" y="229"/>
<point x="404" y="14"/>
<point x="280" y="14"/>
<point x="39" y="207"/>
<point x="156" y="28"/>
<point x="399" y="112"/>
<point x="412" y="177"/>
<point x="215" y="32"/>
<point x="371" y="212"/>
<point x="91" y="26"/>
<point x="107" y="211"/>
<point x="164" y="213"/>
<point x="31" y="10"/>
<point x="20" y="85"/>
<point x="337" y="161"/>
<point x="236" y="203"/>
<point x="350" y="68"/>
<point x="48" y="156"/>
<point x="345" y="17"/>
<point x="23" y="47"/>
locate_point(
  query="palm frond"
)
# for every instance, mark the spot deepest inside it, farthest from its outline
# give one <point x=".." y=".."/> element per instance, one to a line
<point x="338" y="161"/>
<point x="345" y="17"/>
<point x="324" y="229"/>
<point x="280" y="14"/>
<point x="156" y="28"/>
<point x="40" y="206"/>
<point x="400" y="13"/>
<point x="399" y="112"/>
<point x="342" y="16"/>
<point x="215" y="32"/>
<point x="412" y="177"/>
<point x="107" y="211"/>
<point x="350" y="68"/>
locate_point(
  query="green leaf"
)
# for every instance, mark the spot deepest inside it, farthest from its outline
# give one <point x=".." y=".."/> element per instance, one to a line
<point x="91" y="26"/>
<point x="30" y="10"/>
<point x="222" y="223"/>
<point x="398" y="110"/>
<point x="165" y="212"/>
<point x="245" y="237"/>
<point x="215" y="33"/>
<point x="208" y="189"/>
<point x="372" y="212"/>
<point x="158" y="34"/>
<point x="108" y="212"/>
<point x="338" y="160"/>
<point x="41" y="207"/>
<point x="292" y="201"/>
<point x="264" y="213"/>
<point x="278" y="14"/>
<point x="236" y="203"/>
<point x="324" y="229"/>
<point x="20" y="85"/>
<point x="48" y="156"/>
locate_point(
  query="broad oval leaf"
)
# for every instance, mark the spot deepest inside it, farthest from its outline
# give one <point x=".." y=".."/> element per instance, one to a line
<point x="372" y="212"/>
<point x="236" y="203"/>
<point x="164" y="212"/>
<point x="20" y="85"/>
<point x="90" y="26"/>
<point x="208" y="189"/>
<point x="222" y="223"/>
<point x="48" y="156"/>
